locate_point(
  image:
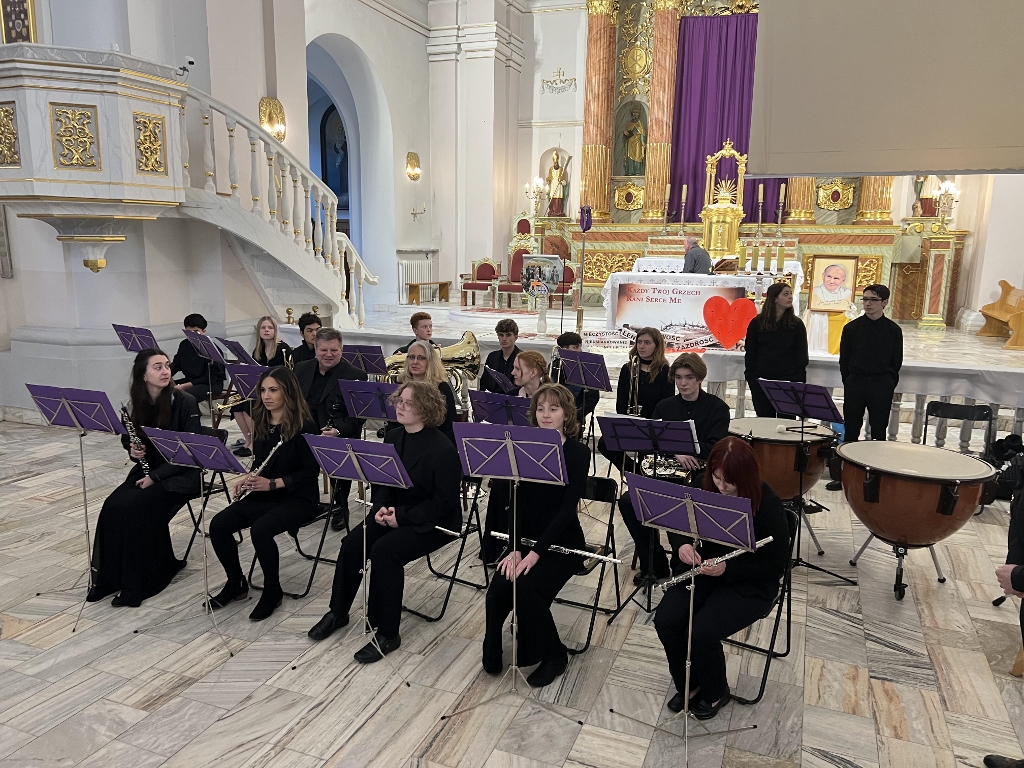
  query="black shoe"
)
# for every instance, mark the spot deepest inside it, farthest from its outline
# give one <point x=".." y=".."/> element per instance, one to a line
<point x="548" y="670"/>
<point x="369" y="654"/>
<point x="126" y="601"/>
<point x="326" y="626"/>
<point x="676" y="702"/>
<point x="243" y="452"/>
<point x="998" y="761"/>
<point x="834" y="485"/>
<point x="492" y="657"/>
<point x="638" y="578"/>
<point x="268" y="602"/>
<point x="704" y="711"/>
<point x="238" y="590"/>
<point x="338" y="519"/>
<point x="97" y="593"/>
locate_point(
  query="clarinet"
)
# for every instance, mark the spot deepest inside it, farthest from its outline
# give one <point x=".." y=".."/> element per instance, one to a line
<point x="253" y="472"/>
<point x="713" y="561"/>
<point x="134" y="438"/>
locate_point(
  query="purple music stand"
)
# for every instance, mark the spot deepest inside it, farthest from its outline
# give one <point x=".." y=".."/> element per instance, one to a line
<point x="240" y="352"/>
<point x="585" y="369"/>
<point x="84" y="410"/>
<point x="632" y="434"/>
<point x="204" y="346"/>
<point x="245" y="377"/>
<point x="500" y="409"/>
<point x="368" y="358"/>
<point x="502" y="380"/>
<point x="135" y="339"/>
<point x="368" y="399"/>
<point x="345" y="458"/>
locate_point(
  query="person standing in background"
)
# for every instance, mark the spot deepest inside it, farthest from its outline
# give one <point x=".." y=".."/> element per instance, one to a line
<point x="697" y="260"/>
<point x="776" y="346"/>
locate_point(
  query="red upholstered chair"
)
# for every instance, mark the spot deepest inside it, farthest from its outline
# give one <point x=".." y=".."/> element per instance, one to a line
<point x="485" y="277"/>
<point x="514" y="282"/>
<point x="565" y="288"/>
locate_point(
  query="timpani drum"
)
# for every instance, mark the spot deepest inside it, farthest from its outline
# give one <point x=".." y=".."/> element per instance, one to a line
<point x="781" y="447"/>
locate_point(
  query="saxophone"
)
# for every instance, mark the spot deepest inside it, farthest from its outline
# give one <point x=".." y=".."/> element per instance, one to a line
<point x="134" y="438"/>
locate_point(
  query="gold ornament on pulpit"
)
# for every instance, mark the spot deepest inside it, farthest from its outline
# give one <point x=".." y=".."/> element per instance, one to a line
<point x="723" y="204"/>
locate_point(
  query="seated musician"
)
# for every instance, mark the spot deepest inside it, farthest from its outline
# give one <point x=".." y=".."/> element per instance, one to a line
<point x="423" y="363"/>
<point x="282" y="496"/>
<point x="653" y="384"/>
<point x="730" y="596"/>
<point x="400" y="527"/>
<point x="503" y="358"/>
<point x="423" y="330"/>
<point x="132" y="552"/>
<point x="529" y="372"/>
<point x="270" y="351"/>
<point x="548" y="515"/>
<point x="586" y="399"/>
<point x="710" y="417"/>
<point x="195" y="370"/>
<point x="309" y="324"/>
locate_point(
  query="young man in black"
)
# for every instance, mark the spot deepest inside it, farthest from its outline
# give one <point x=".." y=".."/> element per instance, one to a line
<point x="309" y="324"/>
<point x="195" y="369"/>
<point x="423" y="330"/>
<point x="586" y="399"/>
<point x="501" y="360"/>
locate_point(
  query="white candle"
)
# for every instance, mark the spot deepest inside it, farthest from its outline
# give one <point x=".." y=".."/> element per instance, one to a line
<point x="782" y="193"/>
<point x="760" y="193"/>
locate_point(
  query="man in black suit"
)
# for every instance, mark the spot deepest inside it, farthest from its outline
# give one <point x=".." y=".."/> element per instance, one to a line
<point x="501" y="360"/>
<point x="319" y="382"/>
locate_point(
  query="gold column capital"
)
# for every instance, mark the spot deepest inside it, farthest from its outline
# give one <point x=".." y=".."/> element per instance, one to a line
<point x="667" y="5"/>
<point x="875" y="204"/>
<point x="602" y="7"/>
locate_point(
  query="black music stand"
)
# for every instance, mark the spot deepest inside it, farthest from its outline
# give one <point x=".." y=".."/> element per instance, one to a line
<point x="210" y="352"/>
<point x="207" y="454"/>
<point x="500" y="409"/>
<point x="586" y="370"/>
<point x="84" y="410"/>
<point x="368" y="399"/>
<point x="502" y="380"/>
<point x="510" y="453"/>
<point x="368" y="358"/>
<point x="242" y="355"/>
<point x="804" y="401"/>
<point x="134" y="338"/>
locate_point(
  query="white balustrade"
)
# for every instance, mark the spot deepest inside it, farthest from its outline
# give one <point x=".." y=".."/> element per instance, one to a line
<point x="318" y="231"/>
<point x="232" y="160"/>
<point x="307" y="220"/>
<point x="208" y="164"/>
<point x="184" y="145"/>
<point x="297" y="213"/>
<point x="254" y="173"/>
<point x="286" y="197"/>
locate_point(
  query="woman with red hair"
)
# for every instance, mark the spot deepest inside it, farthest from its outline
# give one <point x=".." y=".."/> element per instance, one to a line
<point x="729" y="596"/>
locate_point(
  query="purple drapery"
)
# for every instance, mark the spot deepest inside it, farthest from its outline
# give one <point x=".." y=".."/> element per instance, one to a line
<point x="713" y="100"/>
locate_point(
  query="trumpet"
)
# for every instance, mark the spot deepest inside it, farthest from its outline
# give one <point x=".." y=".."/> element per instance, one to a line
<point x="235" y="399"/>
<point x="713" y="561"/>
<point x="633" y="407"/>
<point x="555" y="371"/>
<point x="133" y="436"/>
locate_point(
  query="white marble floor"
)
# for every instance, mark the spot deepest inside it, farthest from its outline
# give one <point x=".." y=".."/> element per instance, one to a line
<point x="869" y="681"/>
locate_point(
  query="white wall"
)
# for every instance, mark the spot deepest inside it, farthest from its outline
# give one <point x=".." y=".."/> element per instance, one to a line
<point x="997" y="254"/>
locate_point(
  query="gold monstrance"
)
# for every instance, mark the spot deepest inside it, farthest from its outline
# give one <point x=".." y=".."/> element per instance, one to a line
<point x="723" y="205"/>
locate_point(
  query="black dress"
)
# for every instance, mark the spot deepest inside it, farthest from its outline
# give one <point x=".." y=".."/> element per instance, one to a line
<point x="780" y="354"/>
<point x="436" y="473"/>
<point x="548" y="515"/>
<point x="280" y="357"/>
<point x="132" y="551"/>
<point x="649" y="394"/>
<point x="450" y="413"/>
<point x="269" y="513"/>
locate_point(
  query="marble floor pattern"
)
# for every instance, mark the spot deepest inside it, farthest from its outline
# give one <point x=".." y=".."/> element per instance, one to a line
<point x="869" y="681"/>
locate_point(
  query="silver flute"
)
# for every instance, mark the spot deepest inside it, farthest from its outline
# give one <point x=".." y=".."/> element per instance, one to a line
<point x="564" y="550"/>
<point x="260" y="468"/>
<point x="713" y="561"/>
<point x="134" y="438"/>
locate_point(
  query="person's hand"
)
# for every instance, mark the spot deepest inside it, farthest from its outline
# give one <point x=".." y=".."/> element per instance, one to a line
<point x="688" y="462"/>
<point x="713" y="570"/>
<point x="689" y="555"/>
<point x="512" y="563"/>
<point x="1003" y="573"/>
<point x="238" y="487"/>
<point x="256" y="483"/>
<point x="329" y="432"/>
<point x="390" y="519"/>
<point x="144" y="482"/>
<point x="137" y="451"/>
<point x="181" y="386"/>
<point x="380" y="515"/>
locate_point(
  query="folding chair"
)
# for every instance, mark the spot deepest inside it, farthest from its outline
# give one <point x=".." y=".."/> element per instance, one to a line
<point x="604" y="490"/>
<point x="471" y="526"/>
<point x="317" y="559"/>
<point x="945" y="411"/>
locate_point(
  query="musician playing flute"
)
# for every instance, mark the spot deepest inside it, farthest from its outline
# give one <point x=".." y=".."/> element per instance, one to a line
<point x="548" y="515"/>
<point x="282" y="496"/>
<point x="132" y="553"/>
<point x="402" y="524"/>
<point x="710" y="417"/>
<point x="729" y="596"/>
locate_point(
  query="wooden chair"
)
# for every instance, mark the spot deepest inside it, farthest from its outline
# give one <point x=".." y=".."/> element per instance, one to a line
<point x="567" y="287"/>
<point x="484" y="278"/>
<point x="1005" y="317"/>
<point x="514" y="283"/>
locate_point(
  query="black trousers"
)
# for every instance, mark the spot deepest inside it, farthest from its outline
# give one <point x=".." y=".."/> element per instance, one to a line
<point x="718" y="612"/>
<point x="615" y="458"/>
<point x="389" y="551"/>
<point x="535" y="591"/>
<point x="132" y="549"/>
<point x="873" y="393"/>
<point x="265" y="518"/>
<point x="643" y="536"/>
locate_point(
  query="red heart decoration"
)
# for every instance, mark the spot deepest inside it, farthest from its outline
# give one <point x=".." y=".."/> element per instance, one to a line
<point x="728" y="322"/>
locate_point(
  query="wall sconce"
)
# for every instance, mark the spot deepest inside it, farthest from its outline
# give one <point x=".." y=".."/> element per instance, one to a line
<point x="412" y="166"/>
<point x="272" y="117"/>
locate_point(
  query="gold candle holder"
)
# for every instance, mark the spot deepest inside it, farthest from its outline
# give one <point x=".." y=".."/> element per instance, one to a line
<point x="782" y="259"/>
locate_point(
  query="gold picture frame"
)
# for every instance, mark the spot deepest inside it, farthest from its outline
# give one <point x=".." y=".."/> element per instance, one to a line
<point x="833" y="283"/>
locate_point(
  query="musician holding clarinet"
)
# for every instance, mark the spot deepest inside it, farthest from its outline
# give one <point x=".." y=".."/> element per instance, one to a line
<point x="548" y="515"/>
<point x="132" y="553"/>
<point x="730" y="596"/>
<point x="280" y="494"/>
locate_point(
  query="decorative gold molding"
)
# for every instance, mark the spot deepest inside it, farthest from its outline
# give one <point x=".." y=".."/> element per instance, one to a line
<point x="91" y="238"/>
<point x="835" y="195"/>
<point x="150" y="152"/>
<point x="637" y="57"/>
<point x="602" y="7"/>
<point x="75" y="146"/>
<point x="10" y="155"/>
<point x="19" y="24"/>
<point x="667" y="5"/>
<point x="272" y="117"/>
<point x="718" y="7"/>
<point x="629" y="197"/>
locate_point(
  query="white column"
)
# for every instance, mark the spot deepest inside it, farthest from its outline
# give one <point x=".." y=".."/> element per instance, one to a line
<point x="995" y="252"/>
<point x="445" y="136"/>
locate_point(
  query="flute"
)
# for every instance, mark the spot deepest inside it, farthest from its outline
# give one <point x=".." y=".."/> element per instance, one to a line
<point x="134" y="438"/>
<point x="713" y="561"/>
<point x="564" y="550"/>
<point x="260" y="468"/>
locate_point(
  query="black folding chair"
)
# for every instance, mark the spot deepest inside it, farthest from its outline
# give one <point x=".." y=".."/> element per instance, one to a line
<point x="606" y="491"/>
<point x="939" y="410"/>
<point x="325" y="516"/>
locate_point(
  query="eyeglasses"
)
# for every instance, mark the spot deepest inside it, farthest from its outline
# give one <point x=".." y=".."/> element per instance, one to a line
<point x="415" y="357"/>
<point x="403" y="403"/>
<point x="867" y="299"/>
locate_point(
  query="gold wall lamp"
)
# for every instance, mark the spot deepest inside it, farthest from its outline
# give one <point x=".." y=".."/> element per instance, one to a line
<point x="272" y="117"/>
<point x="412" y="166"/>
<point x="92" y="247"/>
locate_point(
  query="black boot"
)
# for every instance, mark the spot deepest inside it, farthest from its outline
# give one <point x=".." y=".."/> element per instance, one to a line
<point x="233" y="590"/>
<point x="268" y="602"/>
<point x="548" y="670"/>
<point x="339" y="518"/>
<point x="492" y="656"/>
<point x="97" y="593"/>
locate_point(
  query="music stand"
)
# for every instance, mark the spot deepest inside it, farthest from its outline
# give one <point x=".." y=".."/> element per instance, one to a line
<point x="500" y="409"/>
<point x="368" y="358"/>
<point x="135" y="339"/>
<point x="586" y="370"/>
<point x="207" y="454"/>
<point x="510" y="453"/>
<point x="84" y="410"/>
<point x="631" y="434"/>
<point x="345" y="458"/>
<point x="210" y="352"/>
<point x="501" y="379"/>
<point x="245" y="377"/>
<point x="804" y="401"/>
<point x="241" y="353"/>
<point x="703" y="516"/>
<point x="368" y="399"/>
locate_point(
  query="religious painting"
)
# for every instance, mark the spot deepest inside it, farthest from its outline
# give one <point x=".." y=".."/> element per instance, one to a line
<point x="541" y="275"/>
<point x="334" y="157"/>
<point x="833" y="283"/>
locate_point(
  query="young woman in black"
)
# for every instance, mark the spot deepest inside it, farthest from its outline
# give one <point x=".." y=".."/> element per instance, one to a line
<point x="132" y="552"/>
<point x="271" y="352"/>
<point x="548" y="515"/>
<point x="653" y="382"/>
<point x="776" y="346"/>
<point x="283" y="496"/>
<point x="401" y="525"/>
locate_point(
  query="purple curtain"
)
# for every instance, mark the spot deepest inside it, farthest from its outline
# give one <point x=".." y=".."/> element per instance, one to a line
<point x="713" y="100"/>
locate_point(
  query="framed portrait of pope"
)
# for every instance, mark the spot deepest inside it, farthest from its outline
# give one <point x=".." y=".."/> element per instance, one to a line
<point x="833" y="281"/>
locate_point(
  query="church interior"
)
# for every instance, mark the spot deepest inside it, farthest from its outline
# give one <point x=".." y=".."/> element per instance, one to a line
<point x="573" y="178"/>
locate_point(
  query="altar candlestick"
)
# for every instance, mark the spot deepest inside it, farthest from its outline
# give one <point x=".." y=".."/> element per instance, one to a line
<point x="782" y="193"/>
<point x="760" y="193"/>
<point x="682" y="211"/>
<point x="782" y="260"/>
<point x="743" y="258"/>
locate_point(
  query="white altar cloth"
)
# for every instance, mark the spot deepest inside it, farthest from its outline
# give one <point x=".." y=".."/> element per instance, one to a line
<point x="667" y="264"/>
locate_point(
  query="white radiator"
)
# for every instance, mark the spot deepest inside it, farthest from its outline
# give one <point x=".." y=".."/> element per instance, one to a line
<point x="413" y="271"/>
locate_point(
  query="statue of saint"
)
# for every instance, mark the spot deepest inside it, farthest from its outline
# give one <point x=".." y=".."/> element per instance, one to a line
<point x="558" y="186"/>
<point x="635" y="144"/>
